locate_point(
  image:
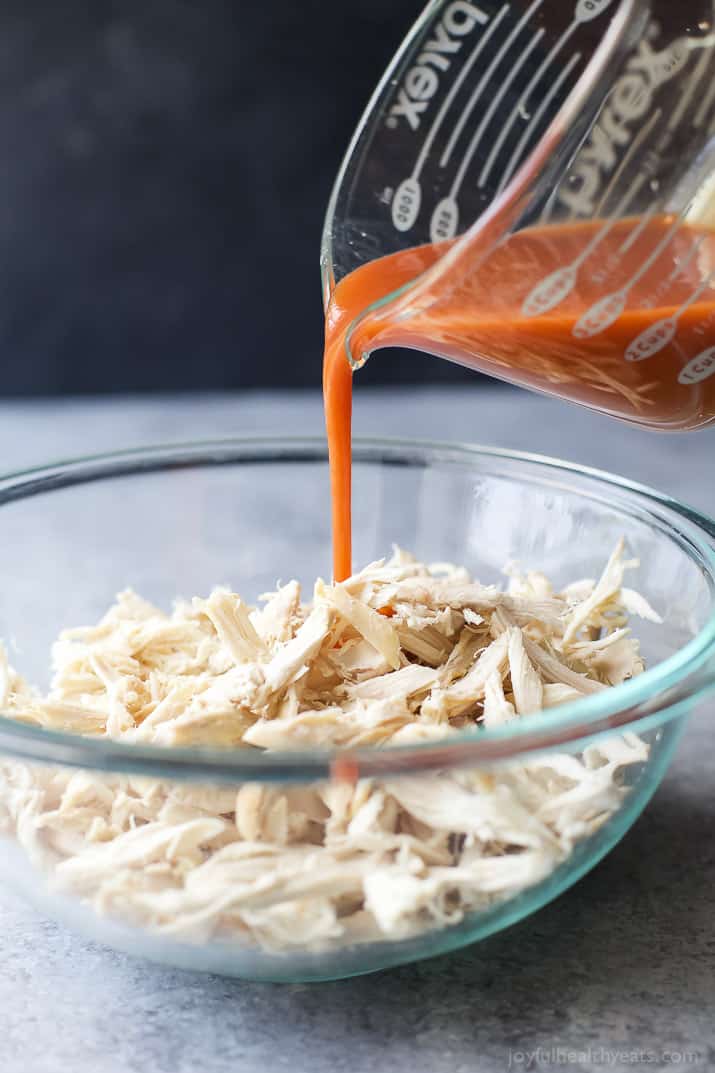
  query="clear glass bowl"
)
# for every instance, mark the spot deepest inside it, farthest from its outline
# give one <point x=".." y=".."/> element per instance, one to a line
<point x="177" y="520"/>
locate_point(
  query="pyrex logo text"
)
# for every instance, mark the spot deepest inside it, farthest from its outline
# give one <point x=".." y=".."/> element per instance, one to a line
<point x="422" y="79"/>
<point x="629" y="100"/>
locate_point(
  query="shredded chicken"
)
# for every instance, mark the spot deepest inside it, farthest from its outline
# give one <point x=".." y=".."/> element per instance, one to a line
<point x="399" y="653"/>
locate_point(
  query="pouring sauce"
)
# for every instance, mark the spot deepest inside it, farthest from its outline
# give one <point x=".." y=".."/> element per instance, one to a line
<point x="619" y="316"/>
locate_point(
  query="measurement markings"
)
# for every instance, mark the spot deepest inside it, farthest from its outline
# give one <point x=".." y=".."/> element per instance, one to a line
<point x="484" y="80"/>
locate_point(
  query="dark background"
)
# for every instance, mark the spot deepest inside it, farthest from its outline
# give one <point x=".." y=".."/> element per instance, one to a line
<point x="164" y="170"/>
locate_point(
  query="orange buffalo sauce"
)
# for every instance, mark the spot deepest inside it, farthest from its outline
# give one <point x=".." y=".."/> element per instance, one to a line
<point x="619" y="316"/>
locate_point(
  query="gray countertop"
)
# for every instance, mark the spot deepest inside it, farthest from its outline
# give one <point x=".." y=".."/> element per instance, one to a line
<point x="618" y="972"/>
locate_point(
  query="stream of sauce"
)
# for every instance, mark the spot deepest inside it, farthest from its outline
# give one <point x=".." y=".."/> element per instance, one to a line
<point x="617" y="315"/>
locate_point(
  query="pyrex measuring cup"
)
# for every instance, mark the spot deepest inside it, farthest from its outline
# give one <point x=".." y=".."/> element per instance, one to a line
<point x="531" y="192"/>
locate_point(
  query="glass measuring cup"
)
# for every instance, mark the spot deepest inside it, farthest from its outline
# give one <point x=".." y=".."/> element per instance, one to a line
<point x="531" y="192"/>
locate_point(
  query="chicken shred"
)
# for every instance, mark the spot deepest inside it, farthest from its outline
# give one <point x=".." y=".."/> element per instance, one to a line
<point x="400" y="653"/>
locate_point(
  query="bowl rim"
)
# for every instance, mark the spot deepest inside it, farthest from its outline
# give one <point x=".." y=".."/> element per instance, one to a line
<point x="661" y="692"/>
